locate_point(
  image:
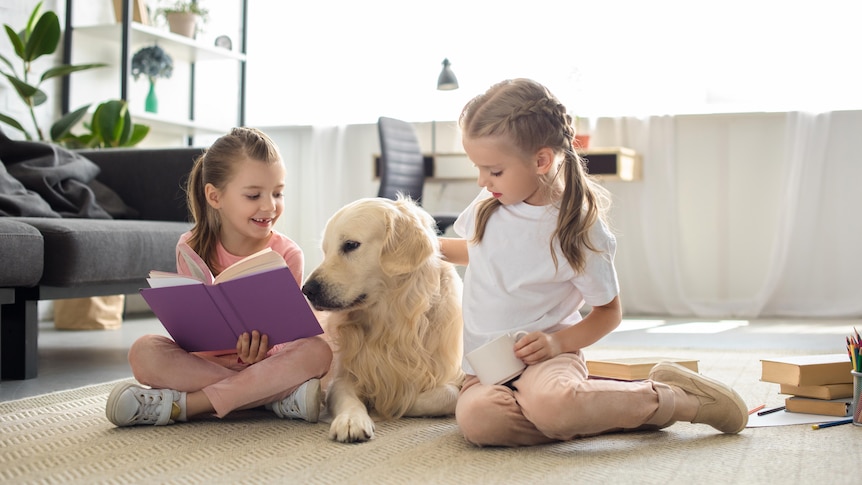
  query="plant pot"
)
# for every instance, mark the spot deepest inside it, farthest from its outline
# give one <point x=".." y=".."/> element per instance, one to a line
<point x="184" y="24"/>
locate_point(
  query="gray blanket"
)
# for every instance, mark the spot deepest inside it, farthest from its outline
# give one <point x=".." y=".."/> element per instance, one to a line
<point x="46" y="180"/>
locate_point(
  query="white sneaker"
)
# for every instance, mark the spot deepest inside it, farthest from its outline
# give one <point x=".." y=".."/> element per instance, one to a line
<point x="130" y="405"/>
<point x="304" y="403"/>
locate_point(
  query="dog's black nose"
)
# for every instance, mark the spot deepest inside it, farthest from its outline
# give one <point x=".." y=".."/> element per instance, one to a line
<point x="311" y="289"/>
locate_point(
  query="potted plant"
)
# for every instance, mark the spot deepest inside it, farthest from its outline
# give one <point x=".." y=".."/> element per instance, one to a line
<point x="184" y="17"/>
<point x="110" y="127"/>
<point x="41" y="36"/>
<point x="154" y="63"/>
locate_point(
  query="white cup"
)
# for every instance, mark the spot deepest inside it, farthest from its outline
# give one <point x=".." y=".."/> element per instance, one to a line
<point x="495" y="362"/>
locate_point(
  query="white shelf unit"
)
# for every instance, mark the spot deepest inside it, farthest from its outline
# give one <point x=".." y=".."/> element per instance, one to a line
<point x="181" y="48"/>
<point x="127" y="37"/>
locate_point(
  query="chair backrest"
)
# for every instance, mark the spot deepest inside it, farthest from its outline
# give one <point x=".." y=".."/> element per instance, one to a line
<point x="402" y="168"/>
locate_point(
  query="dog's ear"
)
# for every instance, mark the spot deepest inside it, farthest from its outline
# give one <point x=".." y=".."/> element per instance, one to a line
<point x="407" y="243"/>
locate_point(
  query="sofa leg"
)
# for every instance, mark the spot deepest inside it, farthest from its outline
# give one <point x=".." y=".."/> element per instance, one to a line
<point x="19" y="332"/>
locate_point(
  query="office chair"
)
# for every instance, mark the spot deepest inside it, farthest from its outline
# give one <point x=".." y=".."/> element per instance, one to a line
<point x="402" y="166"/>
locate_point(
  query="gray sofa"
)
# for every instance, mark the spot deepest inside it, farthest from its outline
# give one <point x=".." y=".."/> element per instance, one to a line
<point x="45" y="258"/>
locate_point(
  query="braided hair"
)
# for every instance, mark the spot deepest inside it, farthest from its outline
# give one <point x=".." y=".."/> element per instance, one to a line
<point x="531" y="118"/>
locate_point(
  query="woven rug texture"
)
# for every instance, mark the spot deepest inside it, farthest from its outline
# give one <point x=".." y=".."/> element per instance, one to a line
<point x="64" y="437"/>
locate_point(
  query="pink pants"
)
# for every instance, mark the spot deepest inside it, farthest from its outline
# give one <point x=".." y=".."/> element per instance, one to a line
<point x="554" y="401"/>
<point x="159" y="362"/>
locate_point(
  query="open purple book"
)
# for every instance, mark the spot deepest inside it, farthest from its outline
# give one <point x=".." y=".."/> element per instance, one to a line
<point x="211" y="317"/>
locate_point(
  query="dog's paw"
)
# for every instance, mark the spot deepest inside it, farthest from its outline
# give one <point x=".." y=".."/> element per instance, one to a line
<point x="351" y="428"/>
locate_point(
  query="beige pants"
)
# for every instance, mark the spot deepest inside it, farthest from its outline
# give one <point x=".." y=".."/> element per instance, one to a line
<point x="94" y="313"/>
<point x="555" y="401"/>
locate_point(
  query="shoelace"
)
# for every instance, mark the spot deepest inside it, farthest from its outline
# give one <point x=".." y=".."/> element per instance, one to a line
<point x="152" y="408"/>
<point x="290" y="405"/>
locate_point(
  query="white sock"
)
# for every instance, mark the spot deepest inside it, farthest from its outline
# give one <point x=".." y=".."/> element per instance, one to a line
<point x="182" y="404"/>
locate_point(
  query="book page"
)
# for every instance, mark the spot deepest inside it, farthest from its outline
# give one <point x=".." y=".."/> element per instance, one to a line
<point x="162" y="280"/>
<point x="261" y="261"/>
<point x="196" y="264"/>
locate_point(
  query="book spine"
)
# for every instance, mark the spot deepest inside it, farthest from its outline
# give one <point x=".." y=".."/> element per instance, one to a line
<point x="227" y="309"/>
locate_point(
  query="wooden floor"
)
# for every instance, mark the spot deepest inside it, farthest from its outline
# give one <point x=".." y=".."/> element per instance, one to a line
<point x="70" y="359"/>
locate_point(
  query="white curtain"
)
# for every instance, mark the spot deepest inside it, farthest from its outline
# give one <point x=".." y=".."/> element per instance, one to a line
<point x="644" y="217"/>
<point x="790" y="249"/>
<point x="818" y="268"/>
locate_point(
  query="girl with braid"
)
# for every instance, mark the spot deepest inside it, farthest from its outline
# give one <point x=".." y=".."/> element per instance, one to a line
<point x="537" y="248"/>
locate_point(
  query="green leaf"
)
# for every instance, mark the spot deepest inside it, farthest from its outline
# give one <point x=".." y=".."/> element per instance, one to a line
<point x="26" y="91"/>
<point x="16" y="41"/>
<point x="39" y="98"/>
<point x="62" y="128"/>
<point x="126" y="133"/>
<point x="45" y="37"/>
<point x="108" y="121"/>
<point x="65" y="69"/>
<point x="6" y="61"/>
<point x="14" y="124"/>
<point x="139" y="132"/>
<point x="33" y="17"/>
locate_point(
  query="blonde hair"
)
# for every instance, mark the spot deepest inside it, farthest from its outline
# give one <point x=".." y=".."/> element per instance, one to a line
<point x="217" y="166"/>
<point x="526" y="114"/>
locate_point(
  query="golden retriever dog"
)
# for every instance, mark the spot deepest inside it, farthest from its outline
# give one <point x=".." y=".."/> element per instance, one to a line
<point x="396" y="321"/>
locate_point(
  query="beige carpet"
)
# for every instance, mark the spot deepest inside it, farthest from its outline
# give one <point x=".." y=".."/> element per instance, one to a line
<point x="64" y="438"/>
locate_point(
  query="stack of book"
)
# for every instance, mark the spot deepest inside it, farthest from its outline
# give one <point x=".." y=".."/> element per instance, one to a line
<point x="816" y="384"/>
<point x="631" y="368"/>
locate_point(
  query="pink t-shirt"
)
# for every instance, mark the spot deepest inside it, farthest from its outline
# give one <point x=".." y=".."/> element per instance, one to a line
<point x="278" y="242"/>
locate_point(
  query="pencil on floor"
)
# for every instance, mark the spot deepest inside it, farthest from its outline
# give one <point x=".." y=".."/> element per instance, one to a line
<point x="770" y="411"/>
<point x="833" y="423"/>
<point x="758" y="408"/>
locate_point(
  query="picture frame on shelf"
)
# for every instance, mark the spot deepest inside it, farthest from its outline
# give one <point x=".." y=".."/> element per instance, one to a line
<point x="140" y="13"/>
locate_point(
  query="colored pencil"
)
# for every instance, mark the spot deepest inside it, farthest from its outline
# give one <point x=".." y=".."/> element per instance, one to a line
<point x="831" y="424"/>
<point x="758" y="408"/>
<point x="770" y="411"/>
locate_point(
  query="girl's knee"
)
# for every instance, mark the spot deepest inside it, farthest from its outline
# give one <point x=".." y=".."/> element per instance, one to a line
<point x="144" y="354"/>
<point x="314" y="354"/>
<point x="481" y="417"/>
<point x="472" y="422"/>
<point x="145" y="346"/>
<point x="321" y="351"/>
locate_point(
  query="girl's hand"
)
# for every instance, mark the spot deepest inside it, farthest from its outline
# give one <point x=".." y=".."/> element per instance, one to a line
<point x="252" y="348"/>
<point x="537" y="347"/>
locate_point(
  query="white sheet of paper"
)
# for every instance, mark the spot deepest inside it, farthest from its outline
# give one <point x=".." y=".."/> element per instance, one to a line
<point x="783" y="418"/>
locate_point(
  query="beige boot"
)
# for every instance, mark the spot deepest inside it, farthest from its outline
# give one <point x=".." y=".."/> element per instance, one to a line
<point x="717" y="404"/>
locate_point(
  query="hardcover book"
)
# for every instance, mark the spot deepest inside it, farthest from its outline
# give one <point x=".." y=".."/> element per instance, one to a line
<point x="204" y="313"/>
<point x="807" y="370"/>
<point x="631" y="368"/>
<point x="828" y="407"/>
<point x="826" y="391"/>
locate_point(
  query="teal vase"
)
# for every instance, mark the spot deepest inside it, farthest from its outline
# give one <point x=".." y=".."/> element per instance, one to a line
<point x="152" y="104"/>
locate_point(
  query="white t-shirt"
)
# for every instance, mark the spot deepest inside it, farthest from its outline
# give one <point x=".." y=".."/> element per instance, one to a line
<point x="511" y="283"/>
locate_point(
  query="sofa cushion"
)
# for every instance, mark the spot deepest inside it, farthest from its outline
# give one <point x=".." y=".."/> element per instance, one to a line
<point x="22" y="244"/>
<point x="89" y="251"/>
<point x="151" y="180"/>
